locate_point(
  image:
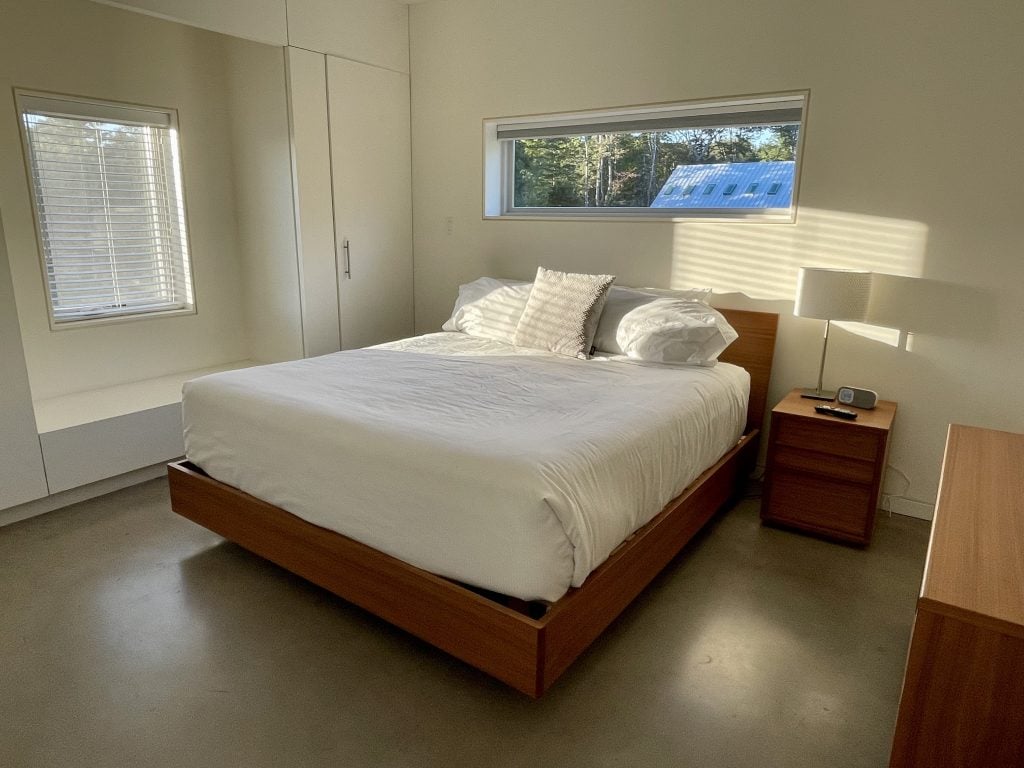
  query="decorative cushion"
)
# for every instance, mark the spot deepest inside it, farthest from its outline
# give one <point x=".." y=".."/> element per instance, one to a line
<point x="562" y="312"/>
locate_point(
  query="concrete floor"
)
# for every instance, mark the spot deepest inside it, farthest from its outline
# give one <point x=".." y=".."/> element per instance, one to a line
<point x="132" y="637"/>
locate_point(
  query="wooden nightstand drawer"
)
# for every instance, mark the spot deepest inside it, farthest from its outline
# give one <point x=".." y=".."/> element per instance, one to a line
<point x="820" y="504"/>
<point x="824" y="474"/>
<point x="836" y="439"/>
<point x="851" y="470"/>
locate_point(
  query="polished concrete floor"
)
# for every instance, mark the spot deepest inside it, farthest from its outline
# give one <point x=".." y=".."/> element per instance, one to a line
<point x="132" y="637"/>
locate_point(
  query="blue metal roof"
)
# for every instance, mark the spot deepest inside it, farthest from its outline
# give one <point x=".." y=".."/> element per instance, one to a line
<point x="766" y="184"/>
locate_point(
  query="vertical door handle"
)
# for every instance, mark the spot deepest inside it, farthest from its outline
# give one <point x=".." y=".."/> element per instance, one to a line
<point x="348" y="259"/>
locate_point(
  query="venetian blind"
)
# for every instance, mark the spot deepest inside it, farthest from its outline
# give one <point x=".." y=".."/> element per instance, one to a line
<point x="755" y="112"/>
<point x="106" y="185"/>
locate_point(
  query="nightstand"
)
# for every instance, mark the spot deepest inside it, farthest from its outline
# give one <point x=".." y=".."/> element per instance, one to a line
<point x="824" y="474"/>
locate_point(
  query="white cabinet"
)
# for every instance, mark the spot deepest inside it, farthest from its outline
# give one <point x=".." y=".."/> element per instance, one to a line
<point x="353" y="200"/>
<point x="372" y="185"/>
<point x="22" y="477"/>
<point x="314" y="209"/>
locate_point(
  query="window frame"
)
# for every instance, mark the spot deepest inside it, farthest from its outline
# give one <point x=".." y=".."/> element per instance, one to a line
<point x="115" y="112"/>
<point x="499" y="161"/>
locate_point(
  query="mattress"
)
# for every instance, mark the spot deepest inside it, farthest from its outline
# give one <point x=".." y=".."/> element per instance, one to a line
<point x="513" y="470"/>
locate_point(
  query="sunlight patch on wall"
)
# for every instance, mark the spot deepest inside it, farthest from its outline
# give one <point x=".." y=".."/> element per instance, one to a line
<point x="761" y="261"/>
<point x="891" y="336"/>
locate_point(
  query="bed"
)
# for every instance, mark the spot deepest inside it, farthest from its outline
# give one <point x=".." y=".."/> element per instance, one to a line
<point x="338" y="469"/>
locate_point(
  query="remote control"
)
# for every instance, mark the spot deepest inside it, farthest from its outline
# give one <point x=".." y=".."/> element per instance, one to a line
<point x="831" y="410"/>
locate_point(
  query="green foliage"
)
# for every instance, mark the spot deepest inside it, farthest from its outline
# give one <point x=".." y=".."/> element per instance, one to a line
<point x="629" y="169"/>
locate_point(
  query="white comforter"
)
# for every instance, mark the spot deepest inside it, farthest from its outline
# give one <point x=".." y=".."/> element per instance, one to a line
<point x="510" y="469"/>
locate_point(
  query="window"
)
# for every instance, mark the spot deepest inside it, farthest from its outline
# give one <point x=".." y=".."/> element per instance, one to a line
<point x="648" y="161"/>
<point x="107" y="195"/>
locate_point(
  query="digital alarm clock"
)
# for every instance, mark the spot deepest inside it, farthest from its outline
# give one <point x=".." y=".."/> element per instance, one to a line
<point x="858" y="398"/>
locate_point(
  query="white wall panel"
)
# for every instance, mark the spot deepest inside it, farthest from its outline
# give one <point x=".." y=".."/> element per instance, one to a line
<point x="314" y="209"/>
<point x="369" y="117"/>
<point x="21" y="465"/>
<point x="371" y="31"/>
<point x="261" y="20"/>
<point x="97" y="450"/>
<point x="258" y="101"/>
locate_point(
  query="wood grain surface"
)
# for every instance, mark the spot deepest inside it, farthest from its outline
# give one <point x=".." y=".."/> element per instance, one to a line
<point x="962" y="704"/>
<point x="976" y="556"/>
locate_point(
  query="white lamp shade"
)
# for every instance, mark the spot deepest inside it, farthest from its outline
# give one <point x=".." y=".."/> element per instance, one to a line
<point x="832" y="294"/>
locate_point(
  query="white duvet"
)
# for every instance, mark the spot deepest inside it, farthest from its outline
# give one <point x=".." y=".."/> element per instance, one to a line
<point x="513" y="470"/>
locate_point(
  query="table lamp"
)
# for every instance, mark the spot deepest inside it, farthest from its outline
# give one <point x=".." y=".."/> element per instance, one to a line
<point x="830" y="294"/>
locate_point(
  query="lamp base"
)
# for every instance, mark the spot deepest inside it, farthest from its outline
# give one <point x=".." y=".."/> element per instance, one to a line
<point x="818" y="394"/>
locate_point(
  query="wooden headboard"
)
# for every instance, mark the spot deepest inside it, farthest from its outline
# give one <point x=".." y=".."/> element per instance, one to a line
<point x="753" y="350"/>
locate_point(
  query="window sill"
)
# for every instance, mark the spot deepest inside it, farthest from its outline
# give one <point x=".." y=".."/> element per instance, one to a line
<point x="787" y="217"/>
<point x="67" y="325"/>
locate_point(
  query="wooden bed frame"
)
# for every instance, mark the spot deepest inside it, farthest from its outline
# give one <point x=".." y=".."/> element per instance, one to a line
<point x="525" y="652"/>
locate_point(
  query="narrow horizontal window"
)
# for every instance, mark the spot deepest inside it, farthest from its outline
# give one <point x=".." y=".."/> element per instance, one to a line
<point x="107" y="195"/>
<point x="663" y="161"/>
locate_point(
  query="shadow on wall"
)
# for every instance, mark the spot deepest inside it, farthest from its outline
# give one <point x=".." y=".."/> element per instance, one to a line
<point x="761" y="262"/>
<point x="933" y="307"/>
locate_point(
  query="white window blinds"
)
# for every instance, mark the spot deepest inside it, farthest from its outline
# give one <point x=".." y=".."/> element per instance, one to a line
<point x="106" y="183"/>
<point x="739" y="113"/>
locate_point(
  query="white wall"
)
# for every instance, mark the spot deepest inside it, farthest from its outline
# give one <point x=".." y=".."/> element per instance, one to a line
<point x="261" y="20"/>
<point x="370" y="31"/>
<point x="22" y="477"/>
<point x="912" y="165"/>
<point x="79" y="47"/>
<point x="258" y="116"/>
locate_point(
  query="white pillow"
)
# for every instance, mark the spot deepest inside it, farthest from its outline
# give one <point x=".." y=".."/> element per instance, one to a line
<point x="675" y="331"/>
<point x="562" y="312"/>
<point x="489" y="308"/>
<point x="621" y="301"/>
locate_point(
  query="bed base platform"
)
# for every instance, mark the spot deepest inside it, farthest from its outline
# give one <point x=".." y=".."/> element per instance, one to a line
<point x="527" y="653"/>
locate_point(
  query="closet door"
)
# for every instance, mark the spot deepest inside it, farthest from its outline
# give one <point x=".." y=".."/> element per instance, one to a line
<point x="314" y="212"/>
<point x="22" y="477"/>
<point x="371" y="171"/>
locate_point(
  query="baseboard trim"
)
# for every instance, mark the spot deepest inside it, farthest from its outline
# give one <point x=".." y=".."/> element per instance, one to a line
<point x="898" y="505"/>
<point x="82" y="493"/>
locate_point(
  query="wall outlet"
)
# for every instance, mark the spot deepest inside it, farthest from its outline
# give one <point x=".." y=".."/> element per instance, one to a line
<point x="449" y="224"/>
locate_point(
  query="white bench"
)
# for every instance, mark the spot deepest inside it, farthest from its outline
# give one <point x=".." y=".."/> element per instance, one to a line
<point x="102" y="433"/>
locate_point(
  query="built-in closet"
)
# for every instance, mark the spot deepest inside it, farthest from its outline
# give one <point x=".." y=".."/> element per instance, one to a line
<point x="350" y="134"/>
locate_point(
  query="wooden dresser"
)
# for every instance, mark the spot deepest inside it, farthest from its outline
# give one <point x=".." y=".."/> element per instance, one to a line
<point x="963" y="694"/>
